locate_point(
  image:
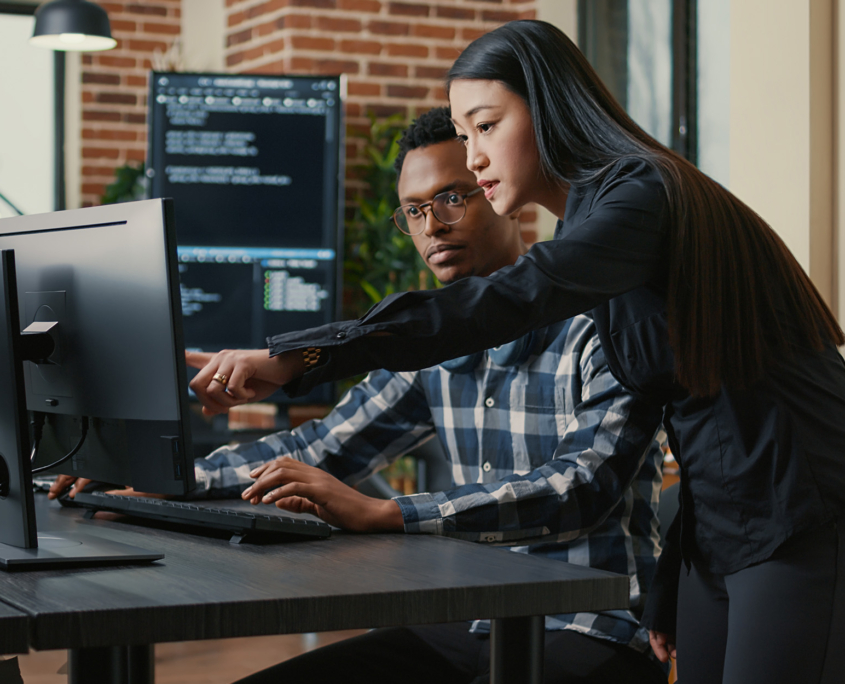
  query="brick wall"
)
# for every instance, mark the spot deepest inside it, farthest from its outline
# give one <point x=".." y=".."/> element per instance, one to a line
<point x="395" y="54"/>
<point x="114" y="89"/>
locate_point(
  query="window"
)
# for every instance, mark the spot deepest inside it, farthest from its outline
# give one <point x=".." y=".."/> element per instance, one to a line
<point x="31" y="118"/>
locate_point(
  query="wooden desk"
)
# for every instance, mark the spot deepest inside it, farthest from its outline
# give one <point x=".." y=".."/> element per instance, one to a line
<point x="14" y="631"/>
<point x="206" y="588"/>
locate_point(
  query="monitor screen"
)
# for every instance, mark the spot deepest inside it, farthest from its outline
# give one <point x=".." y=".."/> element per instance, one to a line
<point x="254" y="165"/>
<point x="107" y="277"/>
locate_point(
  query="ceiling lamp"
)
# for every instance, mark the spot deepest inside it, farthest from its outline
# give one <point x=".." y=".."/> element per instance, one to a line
<point x="76" y="25"/>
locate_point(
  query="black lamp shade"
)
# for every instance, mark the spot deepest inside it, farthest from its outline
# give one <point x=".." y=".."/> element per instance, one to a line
<point x="76" y="25"/>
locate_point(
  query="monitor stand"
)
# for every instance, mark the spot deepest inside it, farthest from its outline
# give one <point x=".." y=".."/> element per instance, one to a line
<point x="20" y="545"/>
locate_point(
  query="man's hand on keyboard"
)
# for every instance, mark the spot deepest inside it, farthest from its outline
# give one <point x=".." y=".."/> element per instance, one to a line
<point x="301" y="488"/>
<point x="77" y="484"/>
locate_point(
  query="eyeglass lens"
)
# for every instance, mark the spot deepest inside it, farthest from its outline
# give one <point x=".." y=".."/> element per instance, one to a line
<point x="447" y="207"/>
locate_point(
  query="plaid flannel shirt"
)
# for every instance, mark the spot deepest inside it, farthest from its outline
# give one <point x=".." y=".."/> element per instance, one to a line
<point x="551" y="458"/>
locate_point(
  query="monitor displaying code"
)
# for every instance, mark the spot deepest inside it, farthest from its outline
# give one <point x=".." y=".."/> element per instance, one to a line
<point x="253" y="164"/>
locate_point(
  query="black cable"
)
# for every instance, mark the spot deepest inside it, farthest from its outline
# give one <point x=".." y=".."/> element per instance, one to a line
<point x="37" y="425"/>
<point x="71" y="453"/>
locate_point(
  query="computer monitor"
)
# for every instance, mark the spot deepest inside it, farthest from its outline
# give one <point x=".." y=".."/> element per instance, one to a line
<point x="254" y="164"/>
<point x="103" y="282"/>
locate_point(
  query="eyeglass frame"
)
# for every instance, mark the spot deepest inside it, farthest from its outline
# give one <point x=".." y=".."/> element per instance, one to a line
<point x="430" y="204"/>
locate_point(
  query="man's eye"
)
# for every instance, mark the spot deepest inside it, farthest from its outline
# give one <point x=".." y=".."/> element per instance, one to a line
<point x="453" y="199"/>
<point x="413" y="212"/>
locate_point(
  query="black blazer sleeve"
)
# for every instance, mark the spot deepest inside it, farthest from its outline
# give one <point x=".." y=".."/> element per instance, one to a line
<point x="612" y="240"/>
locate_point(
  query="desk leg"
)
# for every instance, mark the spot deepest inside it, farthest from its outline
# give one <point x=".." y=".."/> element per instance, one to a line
<point x="516" y="650"/>
<point x="111" y="665"/>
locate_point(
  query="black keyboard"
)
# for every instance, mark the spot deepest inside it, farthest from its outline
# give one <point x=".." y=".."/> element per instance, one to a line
<point x="242" y="524"/>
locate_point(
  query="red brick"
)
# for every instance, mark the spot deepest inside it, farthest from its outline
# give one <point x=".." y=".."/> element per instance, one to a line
<point x="303" y="64"/>
<point x="146" y="9"/>
<point x="529" y="237"/>
<point x="117" y="98"/>
<point x="309" y="43"/>
<point x="236" y="18"/>
<point x="470" y="34"/>
<point x="275" y="46"/>
<point x="450" y="53"/>
<point x="407" y="92"/>
<point x="373" y="6"/>
<point x="500" y="16"/>
<point x="431" y="72"/>
<point x="407" y="50"/>
<point x="118" y="25"/>
<point x="365" y="89"/>
<point x="294" y="21"/>
<point x="238" y="38"/>
<point x="166" y="29"/>
<point x="87" y="59"/>
<point x="388" y="28"/>
<point x="137" y="81"/>
<point x="439" y="94"/>
<point x="112" y="61"/>
<point x="429" y="31"/>
<point x="100" y="152"/>
<point x="366" y="47"/>
<point x="455" y="13"/>
<point x="353" y="109"/>
<point x="388" y="110"/>
<point x="88" y="115"/>
<point x="235" y="59"/>
<point x="109" y="134"/>
<point x="323" y="4"/>
<point x="265" y="29"/>
<point x="148" y="45"/>
<point x="136" y="155"/>
<point x="131" y="118"/>
<point x="94" y="188"/>
<point x="337" y="66"/>
<point x="104" y="79"/>
<point x="97" y="170"/>
<point x="340" y="25"/>
<point x="254" y="53"/>
<point x="408" y="10"/>
<point x="381" y="69"/>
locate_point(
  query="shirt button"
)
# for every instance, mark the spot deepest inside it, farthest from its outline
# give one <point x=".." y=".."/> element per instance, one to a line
<point x="341" y="335"/>
<point x="486" y="467"/>
<point x="489" y="403"/>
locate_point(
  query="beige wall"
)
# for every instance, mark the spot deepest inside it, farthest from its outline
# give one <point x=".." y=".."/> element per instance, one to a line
<point x="564" y="15"/>
<point x="782" y="124"/>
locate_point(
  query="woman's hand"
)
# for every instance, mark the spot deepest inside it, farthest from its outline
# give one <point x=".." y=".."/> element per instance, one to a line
<point x="249" y="374"/>
<point x="663" y="645"/>
<point x="302" y="488"/>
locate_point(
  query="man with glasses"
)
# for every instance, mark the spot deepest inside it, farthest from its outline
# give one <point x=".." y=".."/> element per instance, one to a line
<point x="548" y="455"/>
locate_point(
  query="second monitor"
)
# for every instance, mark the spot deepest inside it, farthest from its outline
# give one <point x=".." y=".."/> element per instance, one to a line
<point x="254" y="165"/>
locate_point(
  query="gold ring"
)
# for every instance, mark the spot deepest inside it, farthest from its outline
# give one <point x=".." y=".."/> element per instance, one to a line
<point x="222" y="379"/>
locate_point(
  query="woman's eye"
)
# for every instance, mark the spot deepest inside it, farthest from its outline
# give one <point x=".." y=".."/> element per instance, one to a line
<point x="462" y="139"/>
<point x="484" y="127"/>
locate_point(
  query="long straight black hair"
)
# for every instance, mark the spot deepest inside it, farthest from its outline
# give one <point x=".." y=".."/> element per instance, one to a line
<point x="737" y="299"/>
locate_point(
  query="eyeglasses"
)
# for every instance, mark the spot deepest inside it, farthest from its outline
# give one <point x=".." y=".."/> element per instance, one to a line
<point x="448" y="207"/>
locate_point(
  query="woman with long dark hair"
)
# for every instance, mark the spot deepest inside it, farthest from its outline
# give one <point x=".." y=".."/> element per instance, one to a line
<point x="699" y="306"/>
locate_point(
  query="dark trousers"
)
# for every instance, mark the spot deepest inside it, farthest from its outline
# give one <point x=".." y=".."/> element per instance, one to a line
<point x="449" y="654"/>
<point x="781" y="621"/>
